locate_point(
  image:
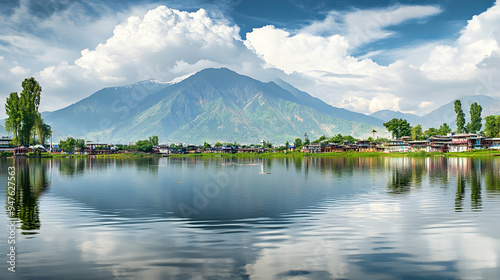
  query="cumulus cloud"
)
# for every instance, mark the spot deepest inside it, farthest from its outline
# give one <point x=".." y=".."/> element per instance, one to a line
<point x="364" y="26"/>
<point x="478" y="42"/>
<point x="19" y="71"/>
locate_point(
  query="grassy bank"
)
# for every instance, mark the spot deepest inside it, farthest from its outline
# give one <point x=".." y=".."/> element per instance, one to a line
<point x="475" y="153"/>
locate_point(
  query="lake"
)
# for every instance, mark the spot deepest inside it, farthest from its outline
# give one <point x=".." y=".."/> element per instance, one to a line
<point x="251" y="218"/>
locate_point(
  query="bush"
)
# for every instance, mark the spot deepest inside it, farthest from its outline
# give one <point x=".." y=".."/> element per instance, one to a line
<point x="6" y="154"/>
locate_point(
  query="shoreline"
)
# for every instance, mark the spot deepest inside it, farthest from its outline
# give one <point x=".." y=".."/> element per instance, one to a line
<point x="476" y="153"/>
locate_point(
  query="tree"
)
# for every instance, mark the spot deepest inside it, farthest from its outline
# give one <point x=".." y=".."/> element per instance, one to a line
<point x="144" y="146"/>
<point x="42" y="129"/>
<point x="68" y="145"/>
<point x="206" y="146"/>
<point x="306" y="139"/>
<point x="80" y="144"/>
<point x="154" y="140"/>
<point x="28" y="107"/>
<point x="417" y="133"/>
<point x="475" y="118"/>
<point x="492" y="126"/>
<point x="287" y="144"/>
<point x="13" y="121"/>
<point x="398" y="128"/>
<point x="218" y="144"/>
<point x="297" y="143"/>
<point x="460" y="117"/>
<point x="431" y="132"/>
<point x="370" y="139"/>
<point x="444" y="129"/>
<point x="374" y="132"/>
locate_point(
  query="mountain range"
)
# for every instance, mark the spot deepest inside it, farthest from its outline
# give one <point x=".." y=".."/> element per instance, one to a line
<point x="211" y="105"/>
<point x="446" y="113"/>
<point x="221" y="105"/>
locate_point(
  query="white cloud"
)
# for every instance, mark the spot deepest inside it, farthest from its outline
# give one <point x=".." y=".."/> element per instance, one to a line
<point x="479" y="40"/>
<point x="364" y="26"/>
<point x="19" y="71"/>
<point x="164" y="38"/>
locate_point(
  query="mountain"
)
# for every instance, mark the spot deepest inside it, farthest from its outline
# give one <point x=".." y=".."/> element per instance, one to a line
<point x="445" y="113"/>
<point x="211" y="105"/>
<point x="387" y="115"/>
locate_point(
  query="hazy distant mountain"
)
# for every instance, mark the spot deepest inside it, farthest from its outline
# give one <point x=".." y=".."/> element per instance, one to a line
<point x="387" y="115"/>
<point x="445" y="113"/>
<point x="2" y="130"/>
<point x="212" y="105"/>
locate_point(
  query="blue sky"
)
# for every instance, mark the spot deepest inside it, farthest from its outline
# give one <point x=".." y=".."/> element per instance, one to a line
<point x="410" y="56"/>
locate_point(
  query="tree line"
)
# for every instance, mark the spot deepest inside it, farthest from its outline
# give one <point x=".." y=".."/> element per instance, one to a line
<point x="400" y="127"/>
<point x="23" y="119"/>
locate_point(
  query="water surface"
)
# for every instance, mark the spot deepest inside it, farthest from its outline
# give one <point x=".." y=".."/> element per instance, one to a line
<point x="219" y="218"/>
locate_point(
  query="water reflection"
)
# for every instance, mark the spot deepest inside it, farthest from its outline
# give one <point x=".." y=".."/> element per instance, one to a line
<point x="32" y="180"/>
<point x="312" y="217"/>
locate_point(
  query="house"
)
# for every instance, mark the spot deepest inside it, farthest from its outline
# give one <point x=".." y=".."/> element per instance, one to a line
<point x="437" y="143"/>
<point x="398" y="145"/>
<point x="164" y="149"/>
<point x="492" y="143"/>
<point x="5" y="142"/>
<point x="418" y="145"/>
<point x="249" y="150"/>
<point x="332" y="147"/>
<point x="366" y="146"/>
<point x="313" y="148"/>
<point x="290" y="148"/>
<point x="466" y="142"/>
<point x="21" y="151"/>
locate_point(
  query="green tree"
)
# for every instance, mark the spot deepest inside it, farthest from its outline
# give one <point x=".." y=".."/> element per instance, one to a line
<point x="287" y="144"/>
<point x="154" y="140"/>
<point x="417" y="133"/>
<point x="206" y="146"/>
<point x="431" y="132"/>
<point x="42" y="129"/>
<point x="370" y="139"/>
<point x="28" y="107"/>
<point x="492" y="126"/>
<point x="80" y="145"/>
<point x="374" y="132"/>
<point x="306" y="139"/>
<point x="68" y="145"/>
<point x="460" y="117"/>
<point x="444" y="129"/>
<point x="13" y="121"/>
<point x="475" y="118"/>
<point x="297" y="143"/>
<point x="218" y="144"/>
<point x="398" y="128"/>
<point x="144" y="146"/>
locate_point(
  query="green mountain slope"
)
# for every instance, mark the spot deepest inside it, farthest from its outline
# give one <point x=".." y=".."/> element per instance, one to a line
<point x="212" y="105"/>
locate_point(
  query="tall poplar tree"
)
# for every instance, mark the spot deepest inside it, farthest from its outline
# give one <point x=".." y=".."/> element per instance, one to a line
<point x="475" y="118"/>
<point x="460" y="117"/>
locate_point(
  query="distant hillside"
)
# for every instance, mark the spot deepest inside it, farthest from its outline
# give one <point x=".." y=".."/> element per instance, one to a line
<point x="212" y="105"/>
<point x="445" y="113"/>
<point x="387" y="115"/>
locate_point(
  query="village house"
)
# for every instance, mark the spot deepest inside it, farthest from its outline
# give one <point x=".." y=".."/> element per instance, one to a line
<point x="312" y="148"/>
<point x="398" y="145"/>
<point x="438" y="144"/>
<point x="332" y="147"/>
<point x="418" y="145"/>
<point x="466" y="142"/>
<point x="5" y="142"/>
<point x="366" y="146"/>
<point x="492" y="143"/>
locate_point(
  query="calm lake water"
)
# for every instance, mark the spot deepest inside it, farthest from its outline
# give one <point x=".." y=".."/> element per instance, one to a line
<point x="311" y="218"/>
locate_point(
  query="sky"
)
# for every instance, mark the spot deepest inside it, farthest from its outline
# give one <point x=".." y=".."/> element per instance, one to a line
<point x="365" y="56"/>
